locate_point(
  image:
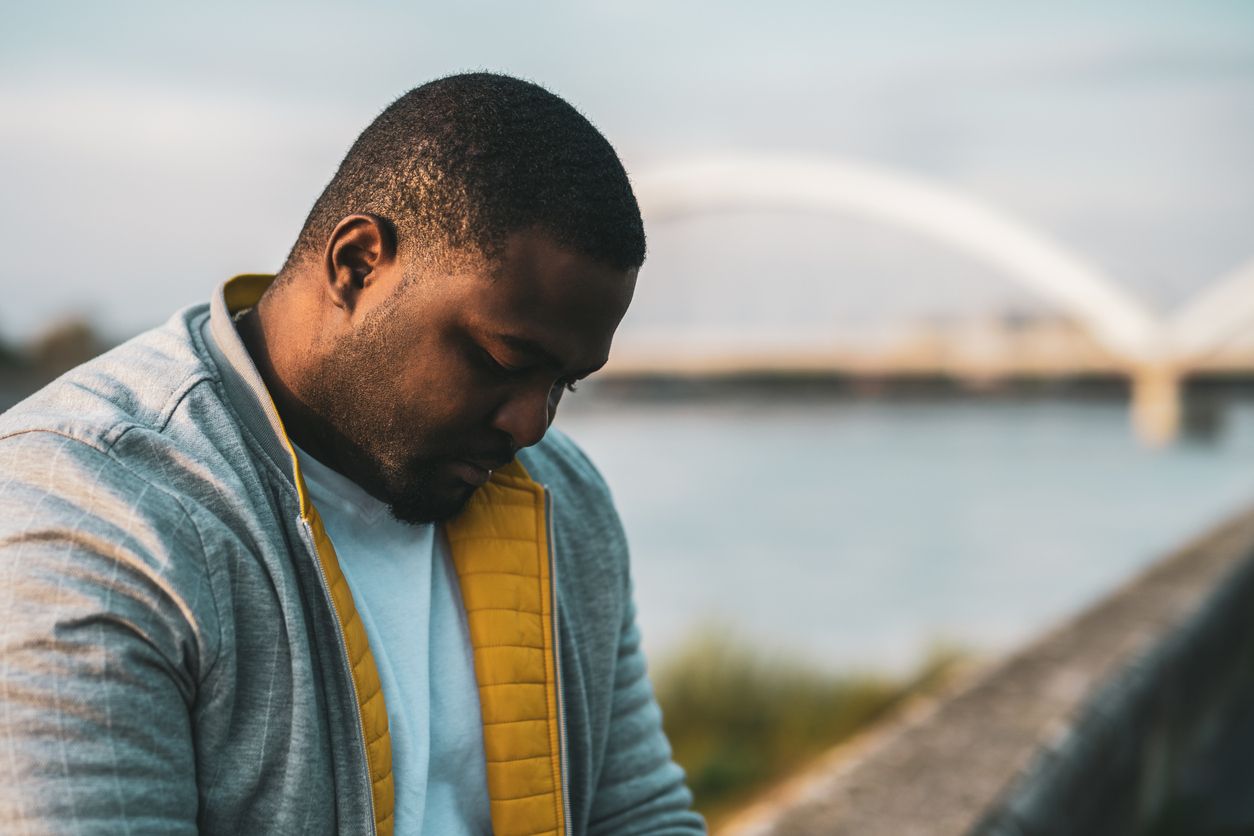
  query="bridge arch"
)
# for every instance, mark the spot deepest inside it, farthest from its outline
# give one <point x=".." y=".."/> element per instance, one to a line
<point x="1116" y="319"/>
<point x="1222" y="311"/>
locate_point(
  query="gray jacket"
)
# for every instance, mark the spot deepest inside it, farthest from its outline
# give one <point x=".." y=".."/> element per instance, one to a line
<point x="178" y="656"/>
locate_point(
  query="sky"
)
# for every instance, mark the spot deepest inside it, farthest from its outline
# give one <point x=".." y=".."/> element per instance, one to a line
<point x="149" y="150"/>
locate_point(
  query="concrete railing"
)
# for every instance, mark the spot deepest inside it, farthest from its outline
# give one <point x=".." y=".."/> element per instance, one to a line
<point x="1107" y="725"/>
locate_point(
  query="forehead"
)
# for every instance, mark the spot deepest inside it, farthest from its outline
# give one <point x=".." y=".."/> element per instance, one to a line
<point x="541" y="291"/>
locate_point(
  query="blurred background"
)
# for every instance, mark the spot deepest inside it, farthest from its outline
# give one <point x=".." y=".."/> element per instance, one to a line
<point x="941" y="335"/>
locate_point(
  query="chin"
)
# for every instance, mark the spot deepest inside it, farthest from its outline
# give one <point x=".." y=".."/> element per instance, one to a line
<point x="424" y="506"/>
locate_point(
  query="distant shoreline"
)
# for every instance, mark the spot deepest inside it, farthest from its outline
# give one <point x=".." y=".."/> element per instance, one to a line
<point x="906" y="387"/>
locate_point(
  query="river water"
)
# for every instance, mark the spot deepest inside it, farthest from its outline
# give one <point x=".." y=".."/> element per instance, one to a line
<point x="853" y="533"/>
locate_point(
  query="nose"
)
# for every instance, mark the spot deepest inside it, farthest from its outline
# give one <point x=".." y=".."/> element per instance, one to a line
<point x="525" y="416"/>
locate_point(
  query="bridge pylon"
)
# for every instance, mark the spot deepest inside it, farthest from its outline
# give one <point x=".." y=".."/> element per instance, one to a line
<point x="1157" y="402"/>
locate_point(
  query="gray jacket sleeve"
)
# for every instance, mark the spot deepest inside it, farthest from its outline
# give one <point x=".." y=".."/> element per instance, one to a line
<point x="641" y="790"/>
<point x="103" y="638"/>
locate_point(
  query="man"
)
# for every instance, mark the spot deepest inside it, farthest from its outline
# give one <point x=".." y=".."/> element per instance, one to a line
<point x="283" y="564"/>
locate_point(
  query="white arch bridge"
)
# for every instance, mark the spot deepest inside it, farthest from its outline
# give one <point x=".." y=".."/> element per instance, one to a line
<point x="1155" y="351"/>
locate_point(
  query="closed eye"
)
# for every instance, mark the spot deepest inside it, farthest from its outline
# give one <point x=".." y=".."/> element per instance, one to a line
<point x="506" y="371"/>
<point x="497" y="367"/>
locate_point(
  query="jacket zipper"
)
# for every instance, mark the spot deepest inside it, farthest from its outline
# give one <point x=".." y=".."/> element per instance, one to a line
<point x="557" y="663"/>
<point x="312" y="544"/>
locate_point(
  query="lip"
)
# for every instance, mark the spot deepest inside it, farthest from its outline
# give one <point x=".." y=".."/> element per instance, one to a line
<point x="477" y="471"/>
<point x="489" y="462"/>
<point x="470" y="472"/>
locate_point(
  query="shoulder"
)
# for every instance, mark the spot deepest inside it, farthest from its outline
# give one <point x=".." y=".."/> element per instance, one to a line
<point x="98" y="503"/>
<point x="590" y="539"/>
<point x="137" y="385"/>
<point x="103" y="448"/>
<point x="565" y="470"/>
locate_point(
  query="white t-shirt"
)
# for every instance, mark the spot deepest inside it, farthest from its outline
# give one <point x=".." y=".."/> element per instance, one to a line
<point x="408" y="597"/>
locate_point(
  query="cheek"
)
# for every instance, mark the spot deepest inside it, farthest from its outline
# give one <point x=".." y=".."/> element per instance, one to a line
<point x="446" y="393"/>
<point x="446" y="408"/>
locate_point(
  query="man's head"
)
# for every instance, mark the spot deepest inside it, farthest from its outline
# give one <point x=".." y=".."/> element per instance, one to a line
<point x="471" y="258"/>
<point x="461" y="162"/>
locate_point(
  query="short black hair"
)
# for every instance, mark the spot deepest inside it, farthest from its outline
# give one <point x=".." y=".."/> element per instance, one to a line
<point x="467" y="160"/>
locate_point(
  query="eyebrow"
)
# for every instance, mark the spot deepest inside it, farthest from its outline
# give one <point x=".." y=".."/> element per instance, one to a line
<point x="534" y="349"/>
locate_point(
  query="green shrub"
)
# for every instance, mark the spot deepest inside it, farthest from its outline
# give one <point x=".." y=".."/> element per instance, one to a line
<point x="741" y="719"/>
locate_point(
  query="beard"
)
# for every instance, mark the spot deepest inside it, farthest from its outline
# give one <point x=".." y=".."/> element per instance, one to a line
<point x="367" y="437"/>
<point x="418" y="495"/>
<point x="358" y="423"/>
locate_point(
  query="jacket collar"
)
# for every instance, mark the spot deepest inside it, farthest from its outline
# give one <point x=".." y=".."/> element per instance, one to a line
<point x="245" y="388"/>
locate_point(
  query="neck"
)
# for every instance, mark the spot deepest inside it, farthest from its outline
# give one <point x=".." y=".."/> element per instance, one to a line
<point x="281" y="369"/>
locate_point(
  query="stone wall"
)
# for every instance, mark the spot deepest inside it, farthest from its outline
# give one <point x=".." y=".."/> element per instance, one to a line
<point x="1099" y="727"/>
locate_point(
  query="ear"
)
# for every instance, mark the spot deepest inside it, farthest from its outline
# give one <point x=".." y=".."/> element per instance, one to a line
<point x="360" y="255"/>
